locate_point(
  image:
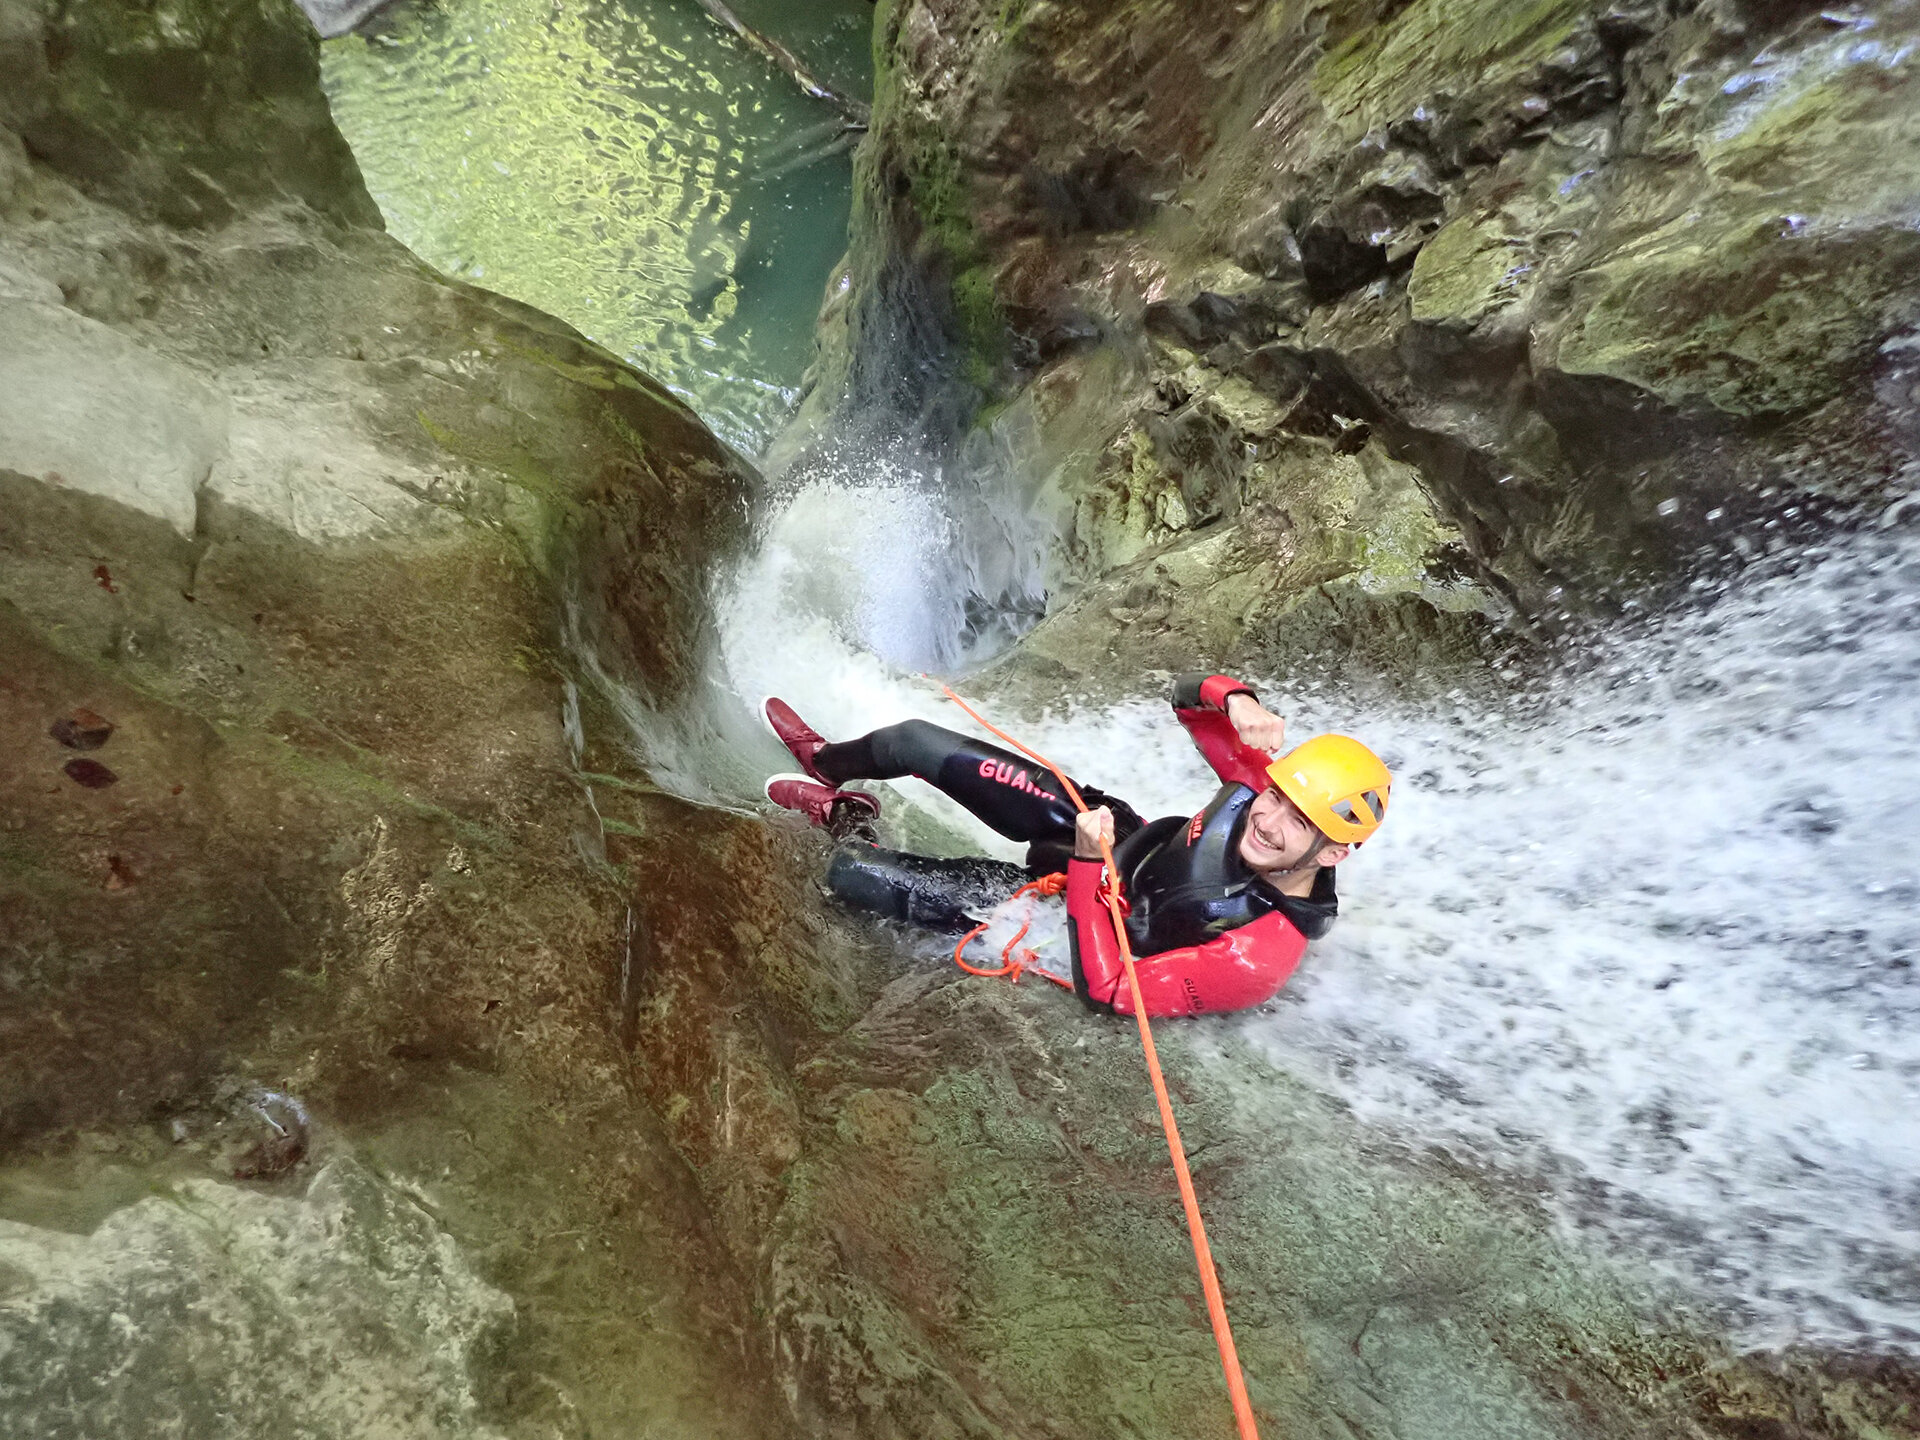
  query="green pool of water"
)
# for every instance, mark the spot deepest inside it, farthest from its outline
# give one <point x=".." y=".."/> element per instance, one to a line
<point x="627" y="165"/>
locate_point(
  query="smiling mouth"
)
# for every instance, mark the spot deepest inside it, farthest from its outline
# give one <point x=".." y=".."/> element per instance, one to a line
<point x="1277" y="846"/>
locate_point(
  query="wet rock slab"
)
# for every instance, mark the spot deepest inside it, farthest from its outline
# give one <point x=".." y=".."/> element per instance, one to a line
<point x="220" y="1311"/>
<point x="326" y="635"/>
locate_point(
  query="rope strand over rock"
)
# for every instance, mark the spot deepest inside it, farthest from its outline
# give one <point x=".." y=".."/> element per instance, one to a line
<point x="1202" y="1252"/>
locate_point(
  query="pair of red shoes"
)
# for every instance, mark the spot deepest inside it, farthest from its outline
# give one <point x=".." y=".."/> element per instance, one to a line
<point x="810" y="794"/>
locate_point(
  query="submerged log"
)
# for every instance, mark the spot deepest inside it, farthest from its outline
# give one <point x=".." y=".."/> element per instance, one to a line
<point x="856" y="111"/>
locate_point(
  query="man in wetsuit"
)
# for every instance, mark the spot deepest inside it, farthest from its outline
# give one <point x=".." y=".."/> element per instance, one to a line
<point x="1223" y="902"/>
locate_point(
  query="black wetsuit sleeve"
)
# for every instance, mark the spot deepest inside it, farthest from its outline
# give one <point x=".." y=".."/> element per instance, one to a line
<point x="1200" y="690"/>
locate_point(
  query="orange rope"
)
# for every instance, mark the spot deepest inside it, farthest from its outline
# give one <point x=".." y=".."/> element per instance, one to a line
<point x="1014" y="965"/>
<point x="1202" y="1253"/>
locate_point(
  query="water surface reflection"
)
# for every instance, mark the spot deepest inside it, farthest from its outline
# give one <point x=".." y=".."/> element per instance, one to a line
<point x="627" y="165"/>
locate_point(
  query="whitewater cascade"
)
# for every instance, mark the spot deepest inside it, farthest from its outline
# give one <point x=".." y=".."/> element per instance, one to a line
<point x="1643" y="936"/>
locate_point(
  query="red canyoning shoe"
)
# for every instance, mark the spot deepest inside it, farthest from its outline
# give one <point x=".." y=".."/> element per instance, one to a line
<point x="818" y="802"/>
<point x="800" y="738"/>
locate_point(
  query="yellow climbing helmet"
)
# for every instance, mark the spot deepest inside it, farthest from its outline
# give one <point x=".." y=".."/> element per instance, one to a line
<point x="1338" y="783"/>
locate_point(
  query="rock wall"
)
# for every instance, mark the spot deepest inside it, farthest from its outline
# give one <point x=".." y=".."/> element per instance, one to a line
<point x="355" y="1313"/>
<point x="1397" y="310"/>
<point x="608" y="1126"/>
<point x="301" y="547"/>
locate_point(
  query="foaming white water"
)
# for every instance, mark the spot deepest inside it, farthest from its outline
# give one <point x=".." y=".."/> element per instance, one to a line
<point x="1029" y="927"/>
<point x="1655" y="944"/>
<point x="1648" y="940"/>
<point x="866" y="578"/>
<point x="874" y="560"/>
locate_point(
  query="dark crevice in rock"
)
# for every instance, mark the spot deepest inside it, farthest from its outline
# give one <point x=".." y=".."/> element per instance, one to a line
<point x="1091" y="194"/>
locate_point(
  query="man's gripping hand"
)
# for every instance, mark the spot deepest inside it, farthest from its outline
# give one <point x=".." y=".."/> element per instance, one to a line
<point x="1090" y="828"/>
<point x="1255" y="724"/>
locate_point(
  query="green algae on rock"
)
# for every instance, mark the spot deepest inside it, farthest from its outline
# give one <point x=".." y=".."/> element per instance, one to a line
<point x="1614" y="282"/>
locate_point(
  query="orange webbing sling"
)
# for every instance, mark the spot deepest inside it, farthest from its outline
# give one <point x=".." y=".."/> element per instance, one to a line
<point x="1202" y="1254"/>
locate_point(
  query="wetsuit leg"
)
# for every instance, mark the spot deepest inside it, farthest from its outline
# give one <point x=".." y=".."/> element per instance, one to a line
<point x="936" y="894"/>
<point x="1013" y="795"/>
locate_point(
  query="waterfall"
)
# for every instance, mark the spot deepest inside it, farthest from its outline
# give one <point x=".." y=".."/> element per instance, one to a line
<point x="1642" y="935"/>
<point x="871" y="571"/>
<point x="1649" y="937"/>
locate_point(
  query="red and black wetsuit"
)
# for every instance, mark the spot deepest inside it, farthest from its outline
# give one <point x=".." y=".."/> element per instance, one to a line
<point x="1207" y="933"/>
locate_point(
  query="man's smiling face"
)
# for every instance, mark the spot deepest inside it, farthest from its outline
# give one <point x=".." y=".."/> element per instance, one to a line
<point x="1278" y="837"/>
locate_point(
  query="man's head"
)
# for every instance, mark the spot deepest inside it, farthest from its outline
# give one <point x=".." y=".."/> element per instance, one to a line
<point x="1327" y="796"/>
<point x="1280" y="840"/>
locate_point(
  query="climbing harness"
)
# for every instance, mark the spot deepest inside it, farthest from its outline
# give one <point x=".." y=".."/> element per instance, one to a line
<point x="1196" y="1228"/>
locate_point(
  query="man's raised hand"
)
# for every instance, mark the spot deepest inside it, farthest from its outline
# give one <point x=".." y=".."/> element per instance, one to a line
<point x="1256" y="725"/>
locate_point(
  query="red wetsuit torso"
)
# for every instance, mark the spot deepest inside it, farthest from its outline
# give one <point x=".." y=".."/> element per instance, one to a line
<point x="1193" y="887"/>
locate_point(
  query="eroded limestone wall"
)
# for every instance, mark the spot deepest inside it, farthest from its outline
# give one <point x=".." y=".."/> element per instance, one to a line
<point x="311" y="542"/>
<point x="1606" y="283"/>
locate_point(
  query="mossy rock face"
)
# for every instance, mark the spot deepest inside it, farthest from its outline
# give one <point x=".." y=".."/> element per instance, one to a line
<point x="1461" y="275"/>
<point x="330" y="564"/>
<point x="1386" y="68"/>
<point x="1597" y="273"/>
<point x="1758" y="255"/>
<point x="188" y="111"/>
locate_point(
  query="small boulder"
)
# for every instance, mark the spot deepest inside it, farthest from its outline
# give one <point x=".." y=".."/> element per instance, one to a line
<point x="82" y="730"/>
